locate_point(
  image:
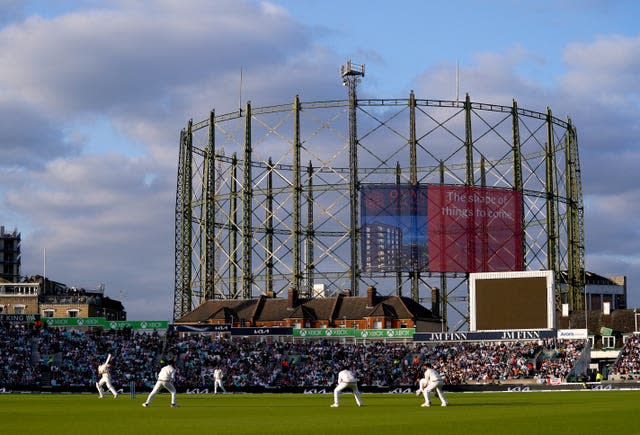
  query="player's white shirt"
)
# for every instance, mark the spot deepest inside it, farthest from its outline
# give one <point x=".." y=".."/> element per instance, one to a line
<point x="103" y="369"/>
<point x="217" y="374"/>
<point x="432" y="376"/>
<point x="346" y="376"/>
<point x="167" y="374"/>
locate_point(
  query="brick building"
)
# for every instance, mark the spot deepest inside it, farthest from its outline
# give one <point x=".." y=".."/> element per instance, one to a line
<point x="19" y="298"/>
<point x="57" y="300"/>
<point x="372" y="311"/>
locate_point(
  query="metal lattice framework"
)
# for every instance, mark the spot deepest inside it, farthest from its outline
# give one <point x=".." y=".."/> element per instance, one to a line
<point x="268" y="198"/>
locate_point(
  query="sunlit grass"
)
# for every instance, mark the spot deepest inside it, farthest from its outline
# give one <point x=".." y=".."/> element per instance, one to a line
<point x="577" y="412"/>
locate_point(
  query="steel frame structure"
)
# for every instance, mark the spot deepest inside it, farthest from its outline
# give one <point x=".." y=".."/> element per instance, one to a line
<point x="267" y="198"/>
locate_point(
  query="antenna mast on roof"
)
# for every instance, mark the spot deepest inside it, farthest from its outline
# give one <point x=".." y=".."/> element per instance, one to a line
<point x="457" y="80"/>
<point x="351" y="75"/>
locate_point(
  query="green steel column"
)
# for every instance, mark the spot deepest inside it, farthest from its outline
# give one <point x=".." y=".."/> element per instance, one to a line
<point x="468" y="141"/>
<point x="269" y="231"/>
<point x="234" y="228"/>
<point x="310" y="266"/>
<point x="296" y="279"/>
<point x="413" y="167"/>
<point x="576" y="223"/>
<point x="247" y="211"/>
<point x="177" y="283"/>
<point x="469" y="182"/>
<point x="354" y="188"/>
<point x="187" y="301"/>
<point x="484" y="219"/>
<point x="518" y="185"/>
<point x="580" y="261"/>
<point x="444" y="296"/>
<point x="397" y="254"/>
<point x="550" y="165"/>
<point x="570" y="205"/>
<point x="182" y="290"/>
<point x="413" y="142"/>
<point x="178" y="288"/>
<point x="208" y="225"/>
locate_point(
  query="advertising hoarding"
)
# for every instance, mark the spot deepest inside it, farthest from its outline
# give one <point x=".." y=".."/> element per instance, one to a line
<point x="440" y="228"/>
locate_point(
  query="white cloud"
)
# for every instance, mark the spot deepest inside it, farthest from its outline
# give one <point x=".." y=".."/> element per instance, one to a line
<point x="105" y="216"/>
<point x="605" y="70"/>
<point x="131" y="59"/>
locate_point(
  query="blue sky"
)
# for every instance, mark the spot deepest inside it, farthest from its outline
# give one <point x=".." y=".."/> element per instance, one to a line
<point x="93" y="95"/>
<point x="399" y="41"/>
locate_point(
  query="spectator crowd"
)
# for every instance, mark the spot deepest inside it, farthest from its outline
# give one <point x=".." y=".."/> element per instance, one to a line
<point x="627" y="366"/>
<point x="68" y="358"/>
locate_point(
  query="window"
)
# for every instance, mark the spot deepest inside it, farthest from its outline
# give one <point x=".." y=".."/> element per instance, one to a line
<point x="18" y="309"/>
<point x="377" y="324"/>
<point x="72" y="313"/>
<point x="48" y="313"/>
<point x="1" y="309"/>
<point x="608" y="342"/>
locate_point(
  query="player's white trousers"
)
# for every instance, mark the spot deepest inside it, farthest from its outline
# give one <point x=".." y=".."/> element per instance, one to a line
<point x="434" y="386"/>
<point x="341" y="386"/>
<point x="167" y="386"/>
<point x="105" y="380"/>
<point x="218" y="384"/>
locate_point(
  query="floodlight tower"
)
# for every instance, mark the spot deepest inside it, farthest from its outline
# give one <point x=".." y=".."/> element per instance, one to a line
<point x="351" y="75"/>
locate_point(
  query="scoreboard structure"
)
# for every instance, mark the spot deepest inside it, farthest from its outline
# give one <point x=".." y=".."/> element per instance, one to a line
<point x="511" y="301"/>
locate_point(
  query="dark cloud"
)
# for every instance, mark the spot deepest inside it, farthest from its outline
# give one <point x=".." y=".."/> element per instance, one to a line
<point x="29" y="139"/>
<point x="100" y="220"/>
<point x="124" y="60"/>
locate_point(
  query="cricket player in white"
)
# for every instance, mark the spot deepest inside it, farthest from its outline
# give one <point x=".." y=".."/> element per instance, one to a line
<point x="346" y="379"/>
<point x="105" y="378"/>
<point x="217" y="381"/>
<point x="166" y="377"/>
<point x="431" y="381"/>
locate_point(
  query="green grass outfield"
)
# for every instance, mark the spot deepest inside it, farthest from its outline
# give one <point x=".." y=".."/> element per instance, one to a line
<point x="576" y="412"/>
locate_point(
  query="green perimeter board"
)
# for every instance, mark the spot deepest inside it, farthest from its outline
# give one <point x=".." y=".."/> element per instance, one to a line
<point x="577" y="412"/>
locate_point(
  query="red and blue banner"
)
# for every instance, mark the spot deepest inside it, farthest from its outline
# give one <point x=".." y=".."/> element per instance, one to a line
<point x="441" y="228"/>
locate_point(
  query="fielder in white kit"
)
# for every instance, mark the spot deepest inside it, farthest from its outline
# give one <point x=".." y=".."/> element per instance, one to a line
<point x="166" y="378"/>
<point x="217" y="381"/>
<point x="105" y="378"/>
<point x="431" y="381"/>
<point x="346" y="379"/>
